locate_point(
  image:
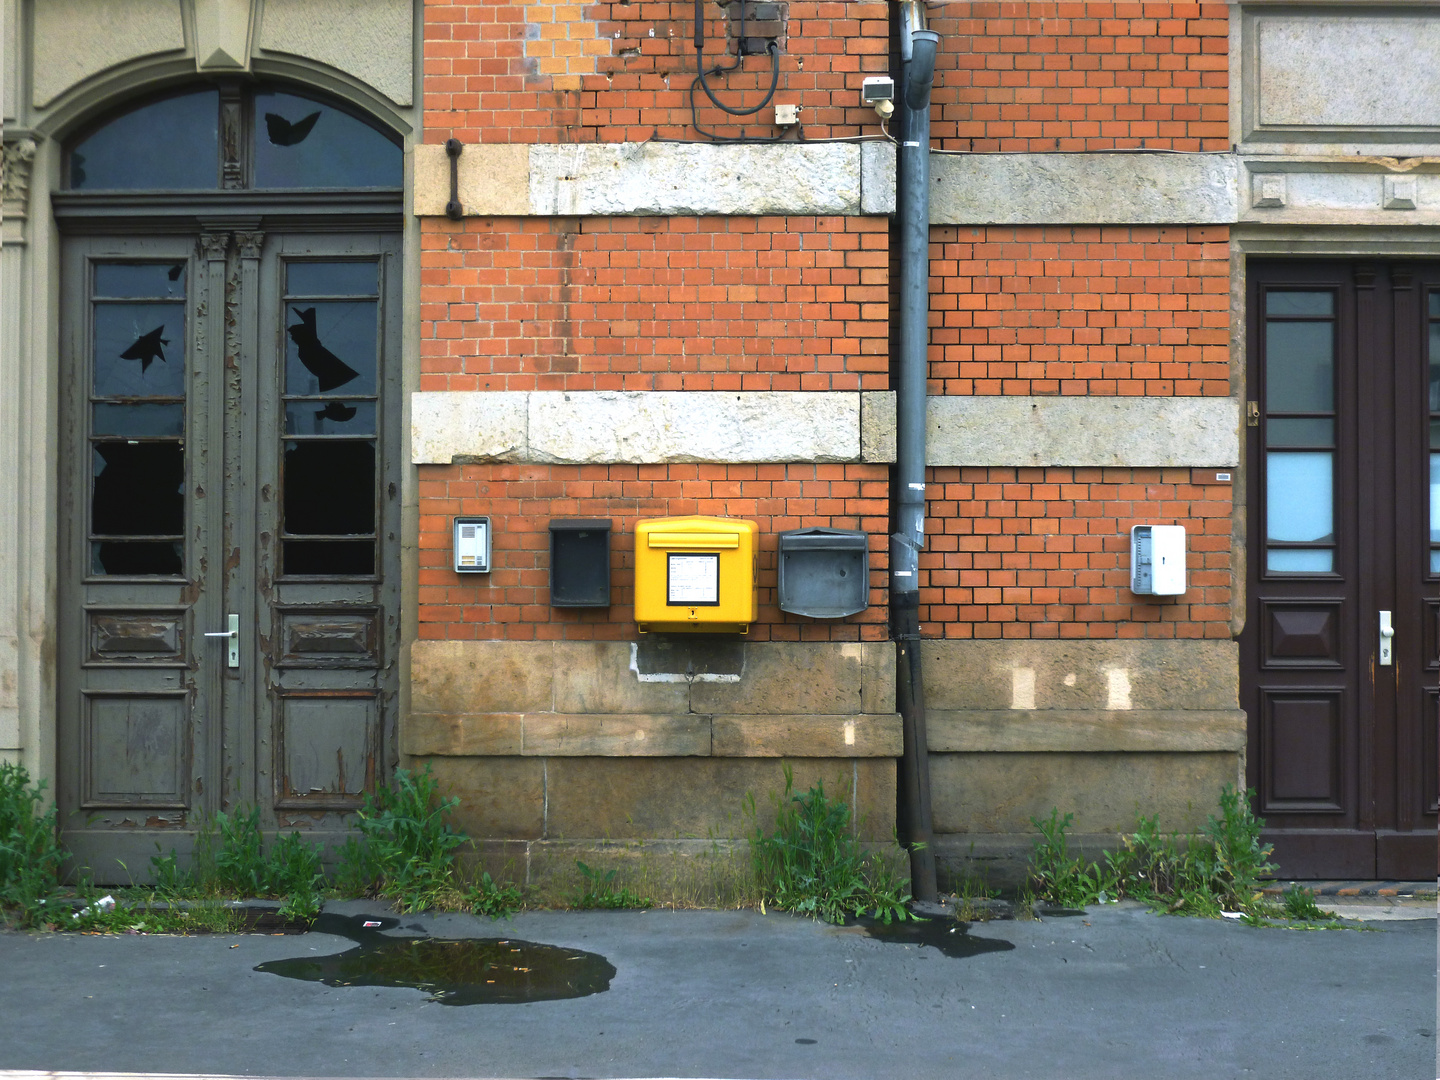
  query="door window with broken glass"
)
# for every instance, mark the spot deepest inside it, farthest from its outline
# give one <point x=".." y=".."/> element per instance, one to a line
<point x="269" y="138"/>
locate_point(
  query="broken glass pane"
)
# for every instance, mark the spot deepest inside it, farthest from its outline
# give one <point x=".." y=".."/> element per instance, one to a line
<point x="329" y="557"/>
<point x="134" y="281"/>
<point x="166" y="144"/>
<point x="332" y="279"/>
<point x="138" y="421"/>
<point x="136" y="557"/>
<point x="138" y="489"/>
<point x="300" y="143"/>
<point x="139" y="350"/>
<point x="331" y="345"/>
<point x="330" y="417"/>
<point x="329" y="488"/>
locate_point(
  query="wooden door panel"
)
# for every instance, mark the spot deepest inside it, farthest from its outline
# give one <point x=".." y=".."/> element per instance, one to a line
<point x="136" y="749"/>
<point x="1301" y="634"/>
<point x="1304" y="744"/>
<point x="329" y="746"/>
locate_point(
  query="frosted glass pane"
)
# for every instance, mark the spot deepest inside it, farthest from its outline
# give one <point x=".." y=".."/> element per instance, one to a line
<point x="1299" y="303"/>
<point x="1434" y="498"/>
<point x="1299" y="367"/>
<point x="1300" y="432"/>
<point x="1299" y="496"/>
<point x="1300" y="561"/>
<point x="1435" y="367"/>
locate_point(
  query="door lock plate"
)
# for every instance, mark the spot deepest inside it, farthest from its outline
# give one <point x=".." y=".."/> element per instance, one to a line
<point x="232" y="646"/>
<point x="1387" y="637"/>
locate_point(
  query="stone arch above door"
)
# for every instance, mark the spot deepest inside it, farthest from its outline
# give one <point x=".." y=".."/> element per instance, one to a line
<point x="87" y="53"/>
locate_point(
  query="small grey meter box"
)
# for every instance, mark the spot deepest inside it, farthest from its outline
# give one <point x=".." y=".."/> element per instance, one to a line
<point x="472" y="545"/>
<point x="1157" y="560"/>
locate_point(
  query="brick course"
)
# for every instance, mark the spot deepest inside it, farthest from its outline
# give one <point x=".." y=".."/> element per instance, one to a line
<point x="1044" y="553"/>
<point x="1080" y="311"/>
<point x="1037" y="77"/>
<point x="621" y="71"/>
<point x="742" y="303"/>
<point x="512" y="602"/>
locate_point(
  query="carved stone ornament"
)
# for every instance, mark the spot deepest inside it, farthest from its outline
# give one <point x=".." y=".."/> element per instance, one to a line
<point x="16" y="161"/>
<point x="212" y="246"/>
<point x="249" y="243"/>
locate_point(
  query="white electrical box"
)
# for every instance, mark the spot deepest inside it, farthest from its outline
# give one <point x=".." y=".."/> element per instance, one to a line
<point x="1157" y="560"/>
<point x="472" y="545"/>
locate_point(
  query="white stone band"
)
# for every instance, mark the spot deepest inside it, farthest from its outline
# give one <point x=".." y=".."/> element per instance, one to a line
<point x="651" y="427"/>
<point x="1140" y="432"/>
<point x="660" y="179"/>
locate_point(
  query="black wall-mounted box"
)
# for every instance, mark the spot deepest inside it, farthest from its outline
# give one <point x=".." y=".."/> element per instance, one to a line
<point x="824" y="573"/>
<point x="580" y="562"/>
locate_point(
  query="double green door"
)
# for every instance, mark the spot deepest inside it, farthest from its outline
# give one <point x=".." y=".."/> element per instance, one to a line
<point x="229" y="533"/>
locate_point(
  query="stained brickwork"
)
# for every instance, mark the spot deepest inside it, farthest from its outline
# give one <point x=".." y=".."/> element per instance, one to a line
<point x="512" y="602"/>
<point x="621" y="71"/>
<point x="1038" y="77"/>
<point x="1043" y="553"/>
<point x="738" y="303"/>
<point x="1099" y="311"/>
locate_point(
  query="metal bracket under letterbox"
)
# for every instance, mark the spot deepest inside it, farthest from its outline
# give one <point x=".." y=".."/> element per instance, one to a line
<point x="824" y="573"/>
<point x="580" y="562"/>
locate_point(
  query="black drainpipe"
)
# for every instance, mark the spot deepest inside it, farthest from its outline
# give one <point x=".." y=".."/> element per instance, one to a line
<point x="918" y="46"/>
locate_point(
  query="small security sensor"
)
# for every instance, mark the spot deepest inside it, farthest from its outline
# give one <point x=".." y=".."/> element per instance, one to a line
<point x="878" y="91"/>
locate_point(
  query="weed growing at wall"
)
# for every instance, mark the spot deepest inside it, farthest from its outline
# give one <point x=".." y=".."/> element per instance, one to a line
<point x="812" y="863"/>
<point x="406" y="852"/>
<point x="30" y="851"/>
<point x="597" y="890"/>
<point x="1220" y="870"/>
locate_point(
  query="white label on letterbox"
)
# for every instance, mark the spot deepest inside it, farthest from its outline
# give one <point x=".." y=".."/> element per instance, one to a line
<point x="693" y="579"/>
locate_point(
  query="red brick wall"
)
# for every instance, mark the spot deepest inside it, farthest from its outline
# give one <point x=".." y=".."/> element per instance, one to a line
<point x="1039" y="77"/>
<point x="784" y="303"/>
<point x="512" y="602"/>
<point x="621" y="71"/>
<point x="1119" y="310"/>
<point x="1043" y="553"/>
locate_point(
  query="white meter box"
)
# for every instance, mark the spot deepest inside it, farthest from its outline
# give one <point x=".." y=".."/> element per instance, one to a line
<point x="472" y="545"/>
<point x="1157" y="560"/>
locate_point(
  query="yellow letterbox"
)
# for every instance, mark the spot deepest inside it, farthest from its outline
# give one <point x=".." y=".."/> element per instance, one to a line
<point x="695" y="574"/>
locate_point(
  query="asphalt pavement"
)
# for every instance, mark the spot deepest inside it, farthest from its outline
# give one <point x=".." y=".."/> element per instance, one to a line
<point x="1114" y="992"/>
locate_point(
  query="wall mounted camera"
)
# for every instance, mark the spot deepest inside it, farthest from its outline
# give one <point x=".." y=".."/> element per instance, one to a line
<point x="878" y="91"/>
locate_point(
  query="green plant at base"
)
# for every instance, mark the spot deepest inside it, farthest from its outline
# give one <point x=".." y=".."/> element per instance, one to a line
<point x="229" y="858"/>
<point x="1220" y="870"/>
<point x="239" y="856"/>
<point x="406" y="851"/>
<point x="597" y="890"/>
<point x="1299" y="903"/>
<point x="812" y="863"/>
<point x="1058" y="876"/>
<point x="30" y="851"/>
<point x="487" y="897"/>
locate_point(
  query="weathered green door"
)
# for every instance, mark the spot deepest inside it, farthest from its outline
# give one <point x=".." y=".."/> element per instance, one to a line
<point x="229" y="524"/>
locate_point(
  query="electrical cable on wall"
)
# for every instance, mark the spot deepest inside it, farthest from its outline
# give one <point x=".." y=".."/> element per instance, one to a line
<point x="702" y="74"/>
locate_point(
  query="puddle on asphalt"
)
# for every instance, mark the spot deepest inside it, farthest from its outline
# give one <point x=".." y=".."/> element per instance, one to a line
<point x="946" y="935"/>
<point x="472" y="971"/>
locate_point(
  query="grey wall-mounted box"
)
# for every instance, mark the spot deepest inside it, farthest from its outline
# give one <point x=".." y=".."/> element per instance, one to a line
<point x="824" y="573"/>
<point x="580" y="562"/>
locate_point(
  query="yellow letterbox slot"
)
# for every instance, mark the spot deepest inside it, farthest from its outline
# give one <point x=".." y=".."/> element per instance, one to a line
<point x="713" y="541"/>
<point x="695" y="574"/>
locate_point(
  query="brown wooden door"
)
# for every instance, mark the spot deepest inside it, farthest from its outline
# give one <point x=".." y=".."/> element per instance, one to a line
<point x="1343" y="528"/>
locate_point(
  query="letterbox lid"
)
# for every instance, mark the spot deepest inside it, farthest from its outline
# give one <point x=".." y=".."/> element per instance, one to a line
<point x="580" y="524"/>
<point x="823" y="538"/>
